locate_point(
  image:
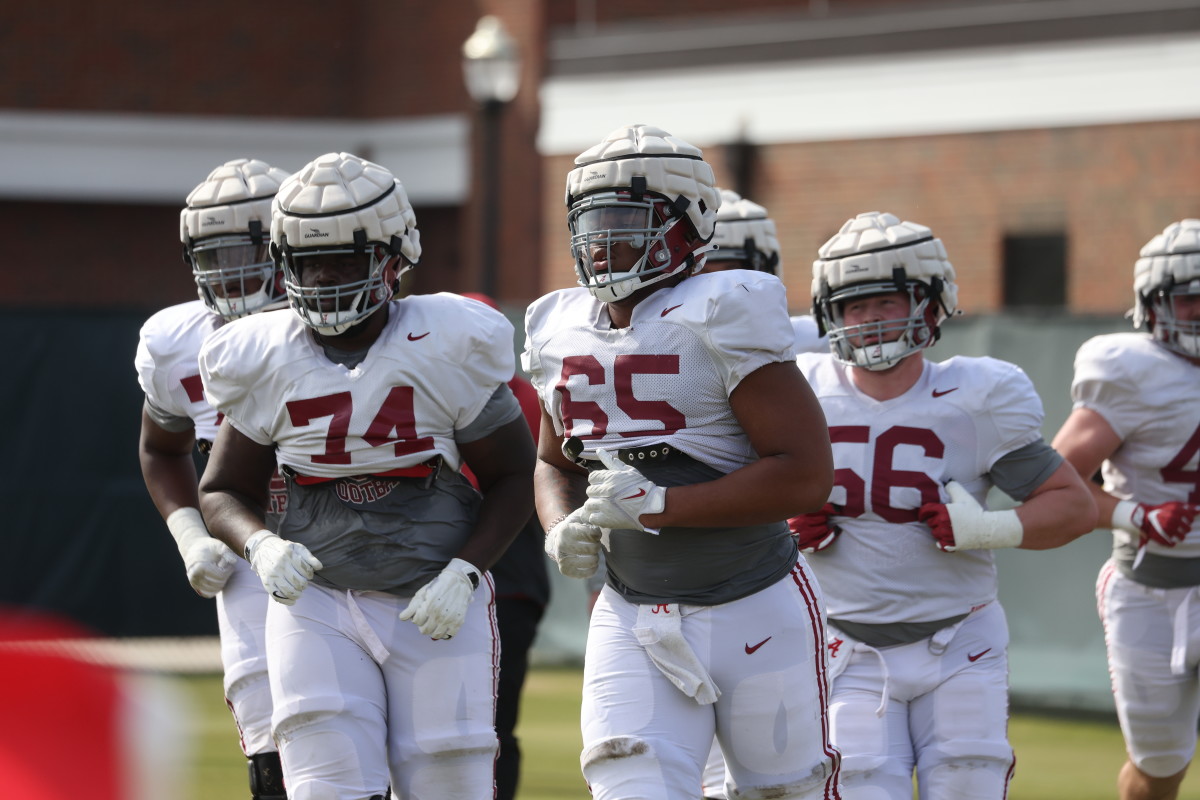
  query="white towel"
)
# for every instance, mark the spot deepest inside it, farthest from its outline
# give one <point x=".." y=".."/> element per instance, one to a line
<point x="659" y="629"/>
<point x="370" y="639"/>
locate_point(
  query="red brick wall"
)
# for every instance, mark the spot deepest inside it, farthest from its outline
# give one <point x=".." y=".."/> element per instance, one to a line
<point x="1108" y="188"/>
<point x="305" y="58"/>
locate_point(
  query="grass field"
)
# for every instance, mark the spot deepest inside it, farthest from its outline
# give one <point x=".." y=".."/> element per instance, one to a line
<point x="1057" y="759"/>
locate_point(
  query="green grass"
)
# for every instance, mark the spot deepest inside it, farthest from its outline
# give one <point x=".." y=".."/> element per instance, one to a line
<point x="1057" y="758"/>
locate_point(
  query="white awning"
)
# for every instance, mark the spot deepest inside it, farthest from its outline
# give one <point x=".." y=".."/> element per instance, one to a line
<point x="1134" y="79"/>
<point x="159" y="158"/>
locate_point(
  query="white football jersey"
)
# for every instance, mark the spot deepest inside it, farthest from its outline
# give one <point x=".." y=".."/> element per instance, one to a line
<point x="167" y="363"/>
<point x="892" y="457"/>
<point x="433" y="369"/>
<point x="1149" y="396"/>
<point x="808" y="335"/>
<point x="668" y="376"/>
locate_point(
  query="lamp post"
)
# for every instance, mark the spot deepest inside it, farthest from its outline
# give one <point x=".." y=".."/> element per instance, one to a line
<point x="491" y="69"/>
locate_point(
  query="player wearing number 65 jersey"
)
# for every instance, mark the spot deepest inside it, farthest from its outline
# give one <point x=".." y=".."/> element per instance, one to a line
<point x="1137" y="421"/>
<point x="381" y="647"/>
<point x="917" y="641"/>
<point x="677" y="432"/>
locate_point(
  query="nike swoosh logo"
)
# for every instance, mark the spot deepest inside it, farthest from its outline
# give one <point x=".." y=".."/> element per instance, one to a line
<point x="936" y="393"/>
<point x="750" y="649"/>
<point x="1153" y="516"/>
<point x="666" y="311"/>
<point x="640" y="492"/>
<point x="977" y="656"/>
<point x="412" y="338"/>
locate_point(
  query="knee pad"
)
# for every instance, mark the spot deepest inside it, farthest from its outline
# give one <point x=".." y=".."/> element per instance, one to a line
<point x="330" y="756"/>
<point x="440" y="747"/>
<point x="873" y="777"/>
<point x="450" y="766"/>
<point x="623" y="766"/>
<point x="963" y="751"/>
<point x="965" y="768"/>
<point x="249" y="698"/>
<point x="266" y="777"/>
<point x="1162" y="766"/>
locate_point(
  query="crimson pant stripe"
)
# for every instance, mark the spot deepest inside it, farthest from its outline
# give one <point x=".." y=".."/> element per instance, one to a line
<point x="804" y="584"/>
<point x="495" y="625"/>
<point x="1012" y="768"/>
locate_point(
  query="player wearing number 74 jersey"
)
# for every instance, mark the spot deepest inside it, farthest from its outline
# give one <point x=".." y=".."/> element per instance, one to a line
<point x="383" y="669"/>
<point x="1137" y="420"/>
<point x="917" y="640"/>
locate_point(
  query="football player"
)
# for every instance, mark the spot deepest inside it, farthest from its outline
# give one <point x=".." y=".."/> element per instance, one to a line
<point x="675" y="432"/>
<point x="917" y="640"/>
<point x="382" y="666"/>
<point x="1136" y="422"/>
<point x="745" y="239"/>
<point x="225" y="229"/>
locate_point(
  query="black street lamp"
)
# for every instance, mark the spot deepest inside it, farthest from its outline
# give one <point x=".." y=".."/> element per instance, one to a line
<point x="491" y="69"/>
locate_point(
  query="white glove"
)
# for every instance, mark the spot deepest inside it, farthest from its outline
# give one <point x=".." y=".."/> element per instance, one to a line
<point x="619" y="495"/>
<point x="440" y="606"/>
<point x="963" y="524"/>
<point x="283" y="567"/>
<point x="209" y="562"/>
<point x="574" y="545"/>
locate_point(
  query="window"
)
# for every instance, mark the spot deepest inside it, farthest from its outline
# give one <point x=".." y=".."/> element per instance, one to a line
<point x="1035" y="270"/>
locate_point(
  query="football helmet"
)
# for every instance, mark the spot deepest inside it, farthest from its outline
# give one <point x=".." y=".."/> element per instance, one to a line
<point x="876" y="253"/>
<point x="745" y="234"/>
<point x="345" y="208"/>
<point x="644" y="189"/>
<point x="224" y="230"/>
<point x="1168" y="268"/>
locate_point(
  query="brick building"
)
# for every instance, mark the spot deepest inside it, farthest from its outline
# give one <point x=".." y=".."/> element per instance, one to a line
<point x="1043" y="140"/>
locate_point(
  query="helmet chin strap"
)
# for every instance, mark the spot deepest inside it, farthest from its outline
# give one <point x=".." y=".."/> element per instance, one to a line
<point x="338" y="327"/>
<point x="1189" y="344"/>
<point x="879" y="357"/>
<point x="619" y="284"/>
<point x="243" y="305"/>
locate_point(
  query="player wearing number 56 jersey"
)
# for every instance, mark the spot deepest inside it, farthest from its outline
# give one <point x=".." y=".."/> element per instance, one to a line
<point x="1137" y="420"/>
<point x="383" y="668"/>
<point x="678" y="433"/>
<point x="917" y="642"/>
